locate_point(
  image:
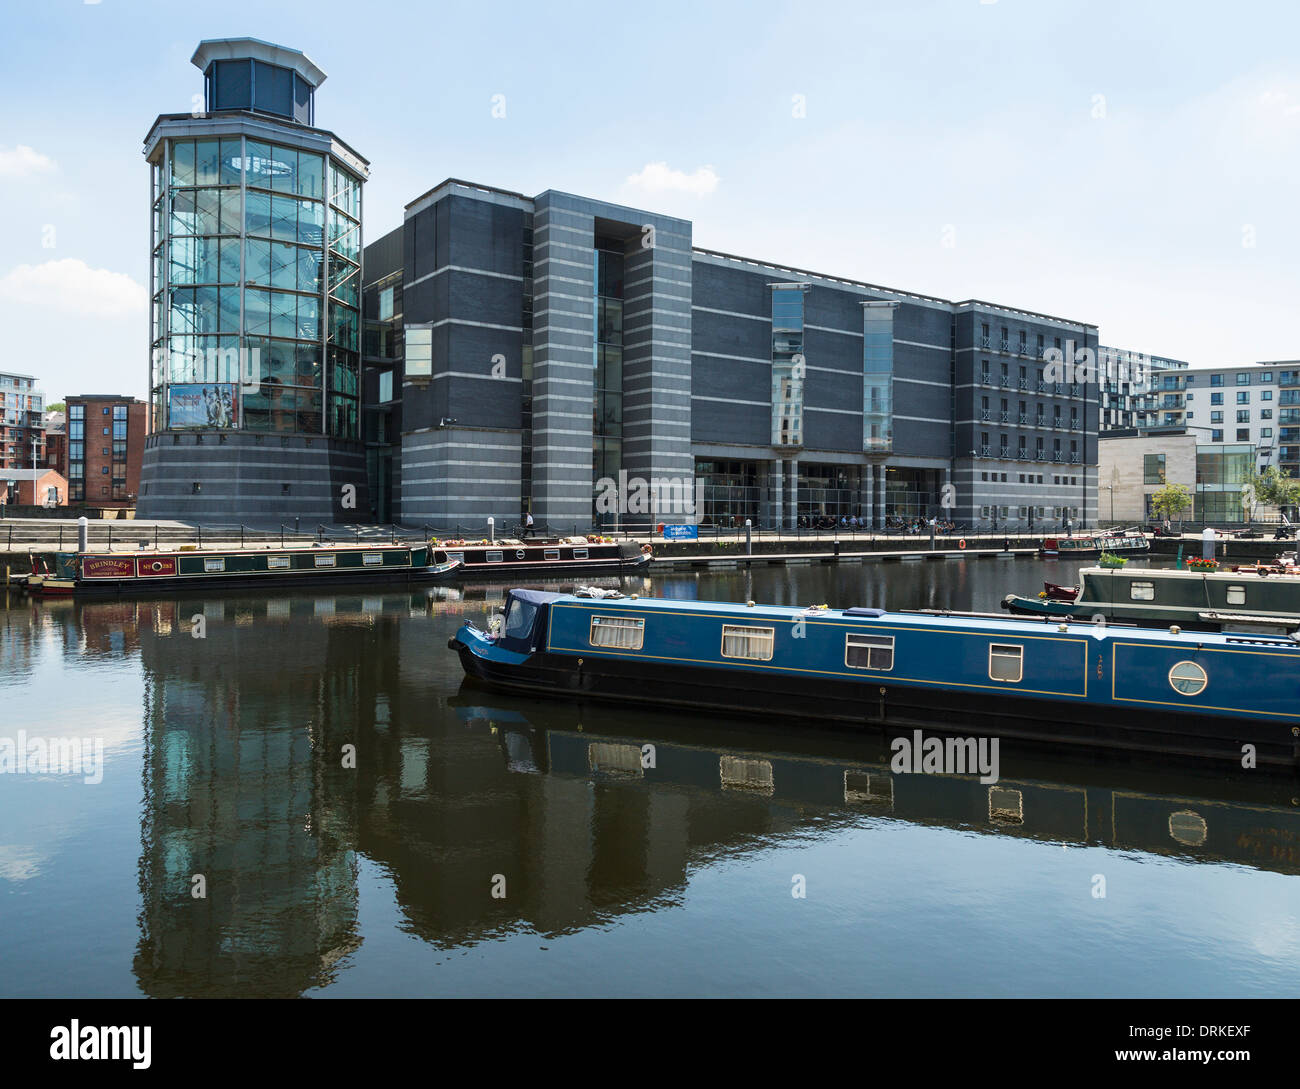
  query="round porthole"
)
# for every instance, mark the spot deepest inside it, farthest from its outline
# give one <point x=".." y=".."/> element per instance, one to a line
<point x="1188" y="828"/>
<point x="519" y="554"/>
<point x="1188" y="679"/>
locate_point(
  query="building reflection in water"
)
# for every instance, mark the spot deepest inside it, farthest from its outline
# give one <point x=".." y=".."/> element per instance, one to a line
<point x="245" y="784"/>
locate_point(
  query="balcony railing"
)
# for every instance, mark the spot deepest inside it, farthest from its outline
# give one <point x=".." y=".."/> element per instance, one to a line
<point x="1004" y="417"/>
<point x="1023" y="384"/>
<point x="985" y="452"/>
<point x="1022" y="454"/>
<point x="1024" y="419"/>
<point x="1004" y="381"/>
<point x="986" y="378"/>
<point x="1042" y="386"/>
<point x="1023" y="349"/>
<point x="986" y="342"/>
<point x="1074" y="459"/>
<point x="1056" y="457"/>
<point x="1040" y="455"/>
<point x="1004" y="345"/>
<point x="1004" y="452"/>
<point x="986" y="415"/>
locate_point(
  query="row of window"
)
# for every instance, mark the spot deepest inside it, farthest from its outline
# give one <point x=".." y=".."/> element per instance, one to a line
<point x="1243" y="378"/>
<point x="1006" y="662"/>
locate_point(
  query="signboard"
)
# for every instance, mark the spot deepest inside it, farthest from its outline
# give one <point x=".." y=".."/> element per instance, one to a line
<point x="681" y="533"/>
<point x="107" y="567"/>
<point x="204" y="404"/>
<point x="158" y="566"/>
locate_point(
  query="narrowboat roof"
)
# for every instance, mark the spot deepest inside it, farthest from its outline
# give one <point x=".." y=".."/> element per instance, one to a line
<point x="1020" y="626"/>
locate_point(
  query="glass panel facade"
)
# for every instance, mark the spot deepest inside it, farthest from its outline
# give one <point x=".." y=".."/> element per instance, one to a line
<point x="607" y="403"/>
<point x="878" y="377"/>
<point x="248" y="291"/>
<point x="788" y="365"/>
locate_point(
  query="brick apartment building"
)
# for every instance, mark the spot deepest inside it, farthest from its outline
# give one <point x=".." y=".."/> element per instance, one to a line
<point x="106" y="434"/>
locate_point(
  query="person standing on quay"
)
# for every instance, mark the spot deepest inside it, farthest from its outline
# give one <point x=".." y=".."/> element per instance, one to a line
<point x="528" y="523"/>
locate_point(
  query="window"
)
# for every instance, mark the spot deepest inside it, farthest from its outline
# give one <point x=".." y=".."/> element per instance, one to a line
<point x="1216" y="435"/>
<point x="1188" y="679"/>
<point x="1265" y="432"/>
<point x="579" y="553"/>
<point x="621" y="632"/>
<point x="1243" y="397"/>
<point x="1243" y="434"/>
<point x="1265" y="413"/>
<point x="1216" y="398"/>
<point x="1236" y="595"/>
<point x="1266" y="395"/>
<point x="372" y="559"/>
<point x="552" y="553"/>
<point x="1153" y="468"/>
<point x="212" y="564"/>
<point x="277" y="563"/>
<point x="1243" y="417"/>
<point x="1142" y="591"/>
<point x="1216" y="417"/>
<point x="754" y="644"/>
<point x="869" y="652"/>
<point x="1216" y="379"/>
<point x="325" y="561"/>
<point x="494" y="557"/>
<point x="1243" y="379"/>
<point x="1006" y="662"/>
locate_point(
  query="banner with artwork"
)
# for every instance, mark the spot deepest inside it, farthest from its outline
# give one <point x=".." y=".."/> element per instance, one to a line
<point x="208" y="404"/>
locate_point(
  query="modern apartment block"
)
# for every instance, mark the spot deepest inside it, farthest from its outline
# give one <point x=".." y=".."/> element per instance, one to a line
<point x="522" y="350"/>
<point x="1138" y="390"/>
<point x="255" y="281"/>
<point x="22" y="426"/>
<point x="1257" y="404"/>
<point x="106" y="439"/>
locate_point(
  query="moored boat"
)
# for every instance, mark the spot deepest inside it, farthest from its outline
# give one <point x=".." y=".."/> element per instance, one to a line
<point x="509" y="558"/>
<point x="150" y="571"/>
<point x="1061" y="682"/>
<point x="1130" y="544"/>
<point x="1208" y="599"/>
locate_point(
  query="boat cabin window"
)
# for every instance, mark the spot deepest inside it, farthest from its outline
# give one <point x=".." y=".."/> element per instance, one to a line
<point x="519" y="619"/>
<point x="276" y="563"/>
<point x="372" y="559"/>
<point x="579" y="553"/>
<point x="1142" y="591"/>
<point x="1006" y="662"/>
<point x="1236" y="595"/>
<point x="493" y="557"/>
<point x="325" y="561"/>
<point x="214" y="563"/>
<point x="752" y="643"/>
<point x="623" y="632"/>
<point x="458" y="557"/>
<point x="869" y="652"/>
<point x="552" y="553"/>
<point x="1188" y="679"/>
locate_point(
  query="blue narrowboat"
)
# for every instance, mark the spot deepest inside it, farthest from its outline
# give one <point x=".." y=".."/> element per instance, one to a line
<point x="1199" y="694"/>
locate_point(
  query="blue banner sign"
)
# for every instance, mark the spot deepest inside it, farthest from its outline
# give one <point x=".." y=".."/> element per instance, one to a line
<point x="681" y="533"/>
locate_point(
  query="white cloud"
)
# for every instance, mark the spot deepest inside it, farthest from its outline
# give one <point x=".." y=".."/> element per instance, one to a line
<point x="72" y="285"/>
<point x="656" y="178"/>
<point x="23" y="161"/>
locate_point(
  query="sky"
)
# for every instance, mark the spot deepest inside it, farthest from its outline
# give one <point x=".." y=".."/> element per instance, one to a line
<point x="1129" y="164"/>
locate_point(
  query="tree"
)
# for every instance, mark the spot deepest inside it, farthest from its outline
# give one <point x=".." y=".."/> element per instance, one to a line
<point x="1171" y="501"/>
<point x="57" y="406"/>
<point x="1275" y="489"/>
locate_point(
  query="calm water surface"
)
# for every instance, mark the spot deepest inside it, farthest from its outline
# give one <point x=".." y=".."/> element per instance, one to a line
<point x="473" y="850"/>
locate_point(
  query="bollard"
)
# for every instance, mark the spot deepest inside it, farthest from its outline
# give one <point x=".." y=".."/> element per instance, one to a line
<point x="83" y="534"/>
<point x="1207" y="544"/>
<point x="837" y="548"/>
<point x="492" y="529"/>
<point x="749" y="537"/>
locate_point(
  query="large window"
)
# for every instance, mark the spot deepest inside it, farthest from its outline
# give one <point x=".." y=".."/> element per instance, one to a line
<point x="255" y="279"/>
<point x="788" y="364"/>
<point x="1153" y="468"/>
<point x="878" y="377"/>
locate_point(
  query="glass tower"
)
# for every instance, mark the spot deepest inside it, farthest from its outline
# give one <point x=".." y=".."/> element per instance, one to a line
<point x="256" y="254"/>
